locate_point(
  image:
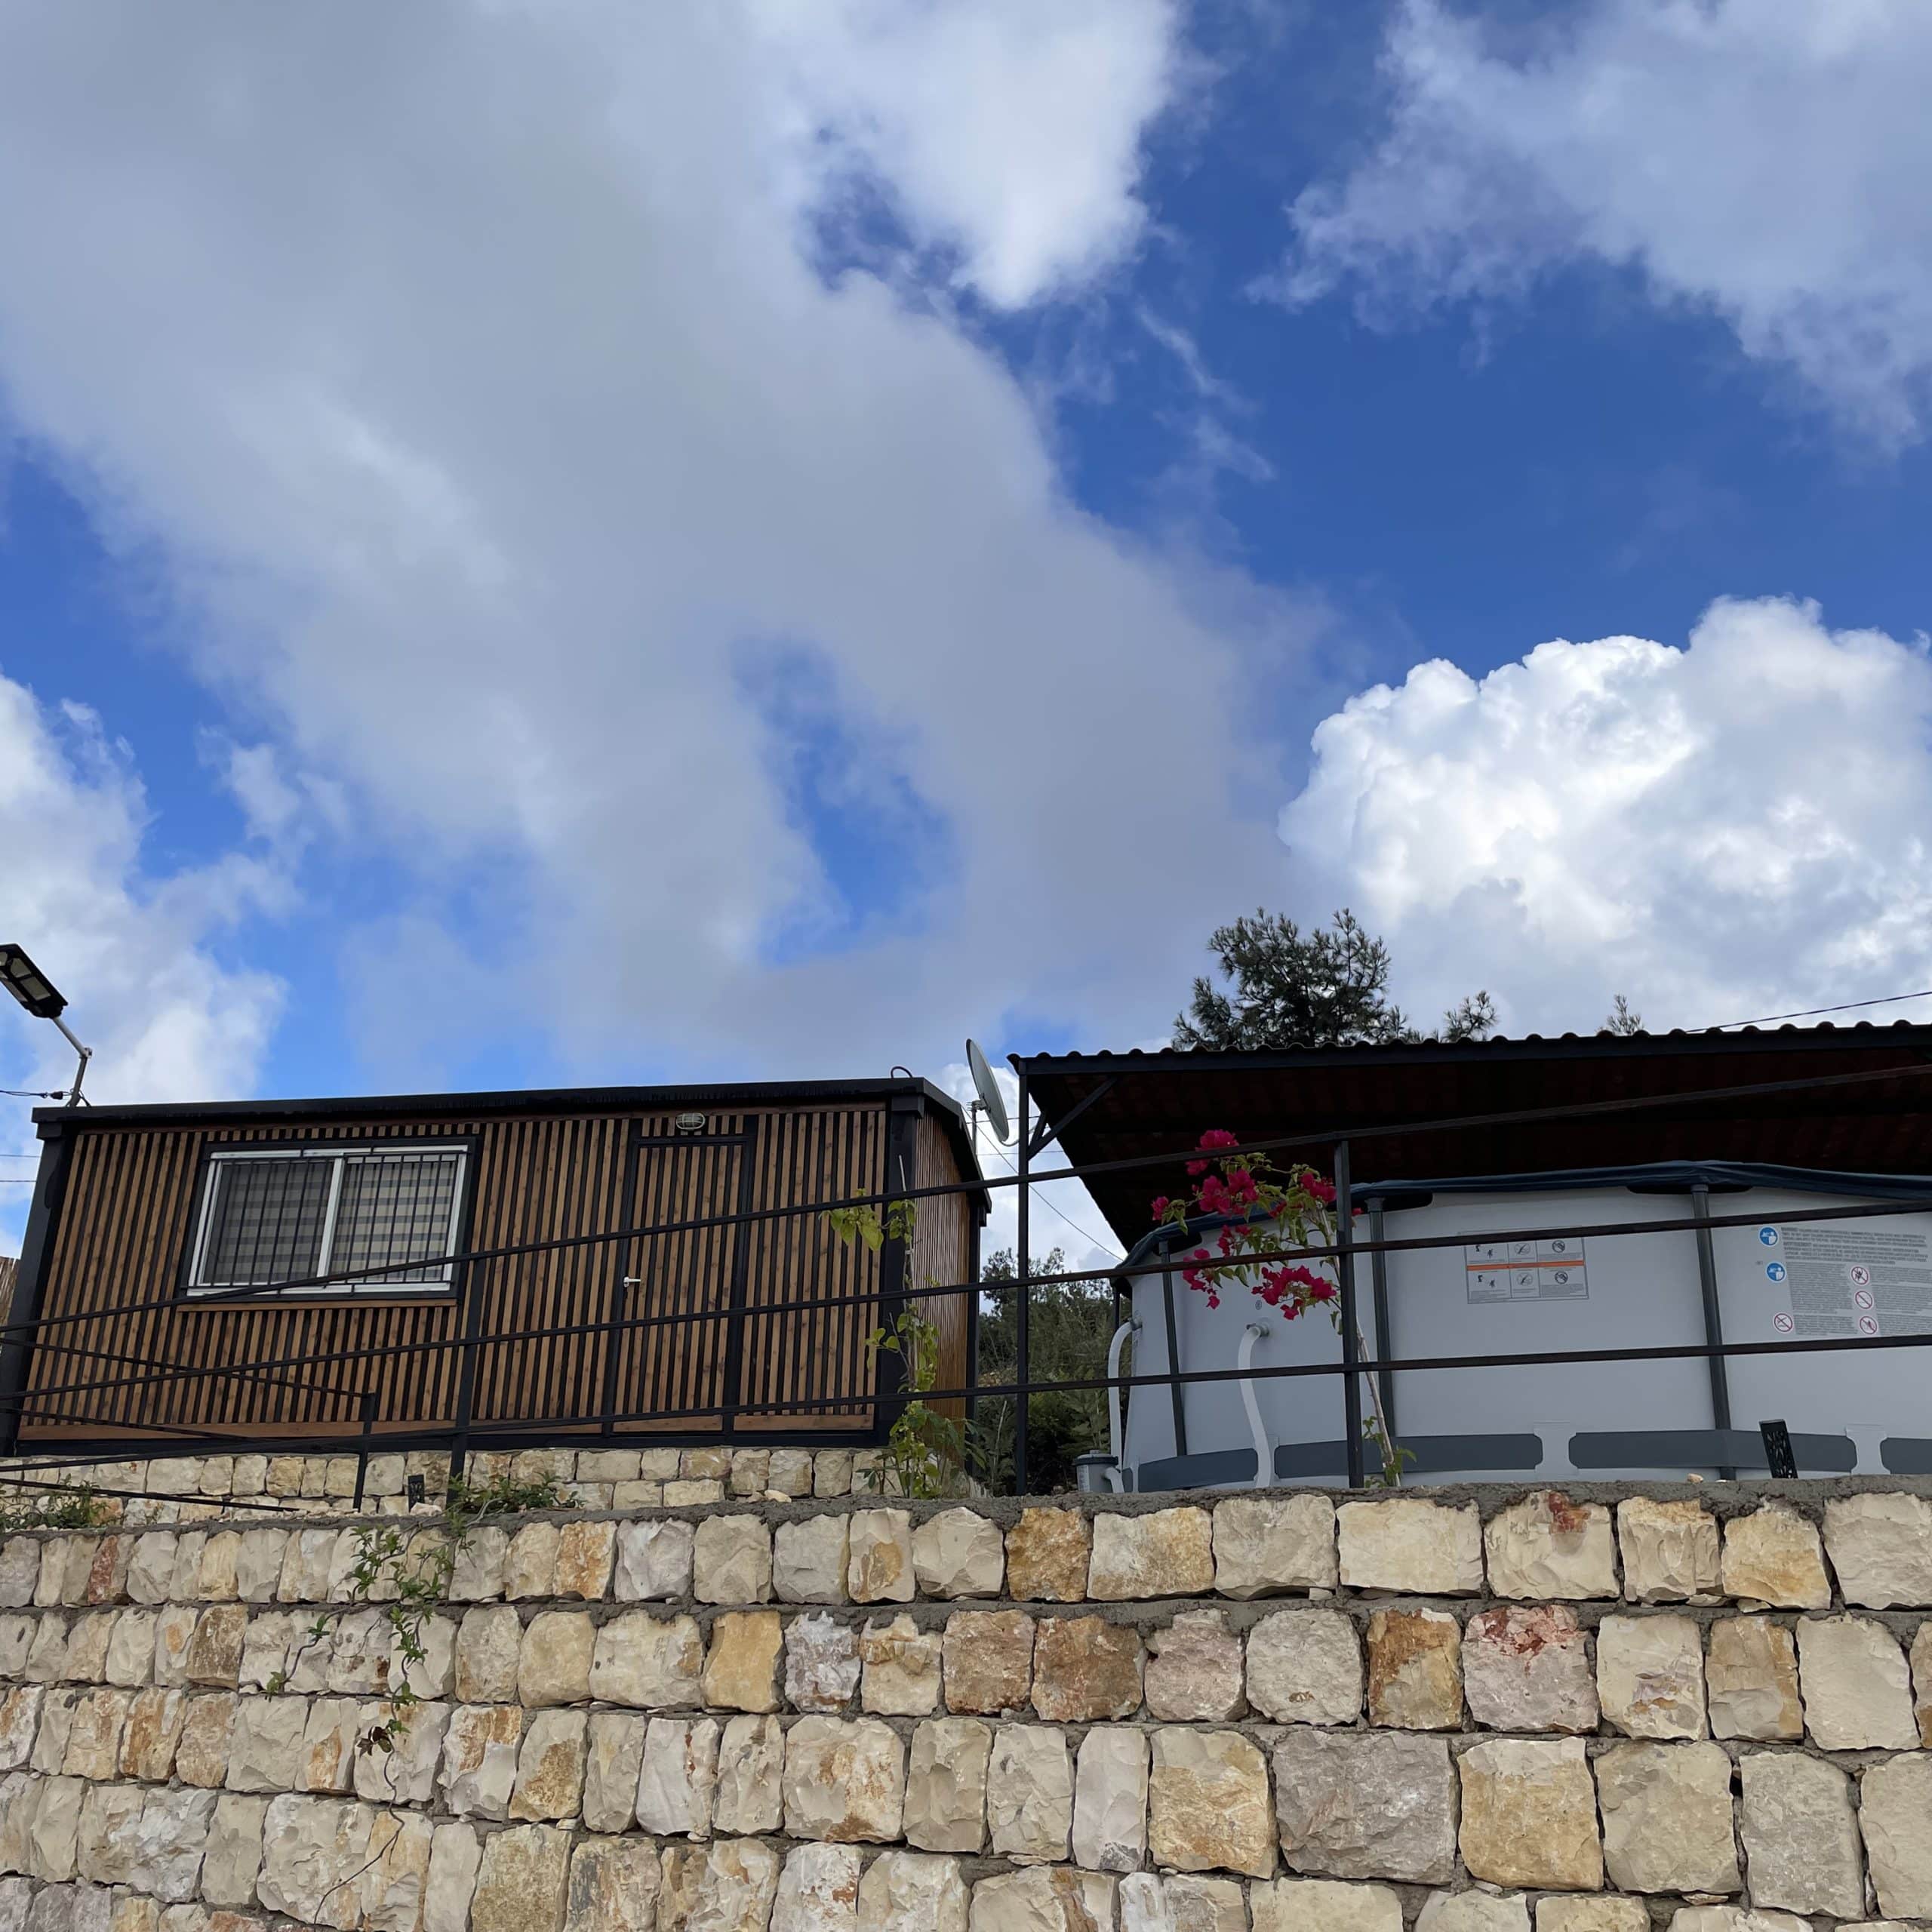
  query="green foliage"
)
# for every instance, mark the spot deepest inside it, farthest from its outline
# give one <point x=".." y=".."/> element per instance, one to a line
<point x="1070" y="1326"/>
<point x="55" y="1509"/>
<point x="411" y="1564"/>
<point x="925" y="1452"/>
<point x="1620" y="1019"/>
<point x="1327" y="987"/>
<point x="863" y="1223"/>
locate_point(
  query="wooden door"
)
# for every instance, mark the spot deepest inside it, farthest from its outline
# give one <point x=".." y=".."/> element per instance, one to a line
<point x="656" y="1376"/>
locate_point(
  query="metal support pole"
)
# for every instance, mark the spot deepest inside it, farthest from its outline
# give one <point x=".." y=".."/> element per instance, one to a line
<point x="1344" y="1269"/>
<point x="474" y="1282"/>
<point x="1023" y="1363"/>
<point x="362" y="1446"/>
<point x="1707" y="1282"/>
<point x="1384" y="1342"/>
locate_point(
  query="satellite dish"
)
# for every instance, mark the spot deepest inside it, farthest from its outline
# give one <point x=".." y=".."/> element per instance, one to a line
<point x="989" y="1092"/>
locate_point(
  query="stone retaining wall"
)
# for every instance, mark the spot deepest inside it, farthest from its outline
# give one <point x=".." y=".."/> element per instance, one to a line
<point x="1480" y="1711"/>
<point x="189" y="1489"/>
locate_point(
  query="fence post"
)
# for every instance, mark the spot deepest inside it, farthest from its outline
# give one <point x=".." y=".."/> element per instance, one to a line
<point x="1023" y="1293"/>
<point x="362" y="1446"/>
<point x="1345" y="1267"/>
<point x="465" y="1383"/>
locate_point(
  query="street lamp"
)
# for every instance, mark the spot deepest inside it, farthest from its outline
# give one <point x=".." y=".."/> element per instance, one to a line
<point x="37" y="993"/>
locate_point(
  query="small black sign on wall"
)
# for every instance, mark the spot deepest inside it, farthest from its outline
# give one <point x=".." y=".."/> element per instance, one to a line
<point x="1778" y="1451"/>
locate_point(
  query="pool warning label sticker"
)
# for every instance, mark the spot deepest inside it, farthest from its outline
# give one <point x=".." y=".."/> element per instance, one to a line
<point x="1853" y="1281"/>
<point x="1526" y="1270"/>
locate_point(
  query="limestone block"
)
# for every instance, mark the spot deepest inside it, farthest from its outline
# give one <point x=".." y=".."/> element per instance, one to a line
<point x="55" y="1829"/>
<point x="750" y="1795"/>
<point x="153" y="1728"/>
<point x="1669" y="1551"/>
<point x="554" y="1665"/>
<point x="808" y="1561"/>
<point x="1085" y="1669"/>
<point x="480" y="1563"/>
<point x="654" y="1561"/>
<point x="258" y="1564"/>
<point x="214" y="1652"/>
<point x="903" y="1891"/>
<point x="1110" y="1801"/>
<point x="19" y="1571"/>
<point x="232" y="1857"/>
<point x="406" y="1772"/>
<point x="107" y="1845"/>
<point x="735" y="1888"/>
<point x="1800" y="1836"/>
<point x="208" y="1723"/>
<point x="1732" y="1919"/>
<point x="652" y="1663"/>
<point x="313" y="1850"/>
<point x="75" y="1567"/>
<point x="818" y="1890"/>
<point x="821" y="1664"/>
<point x="1208" y="1803"/>
<point x="731" y="1560"/>
<point x="958" y="1553"/>
<point x="265" y="1746"/>
<point x="169" y="1842"/>
<point x="791" y="1472"/>
<point x="16" y="1635"/>
<point x="1041" y="1900"/>
<point x="530" y="1565"/>
<point x="1530" y="1814"/>
<point x="479" y="1759"/>
<point x="93" y="1737"/>
<point x="1576" y="1914"/>
<point x="987" y="1657"/>
<point x="20" y="1721"/>
<point x="614" y="1883"/>
<point x="1651" y="1675"/>
<point x="879" y="1565"/>
<point x="550" y="1767"/>
<point x="1404" y="1543"/>
<point x="1318" y="1905"/>
<point x="88" y="1640"/>
<point x="489" y="1641"/>
<point x="306" y="1563"/>
<point x="832" y="1472"/>
<point x="1415" y="1672"/>
<point x="217" y="1582"/>
<point x="636" y="1496"/>
<point x="901" y="1670"/>
<point x="1895" y="1816"/>
<point x="47" y="1658"/>
<point x="614" y="1755"/>
<point x="1046" y="1556"/>
<point x="678" y="1776"/>
<point x="433" y="1675"/>
<point x="1265" y="1545"/>
<point x="1666" y="1818"/>
<point x="751" y="1473"/>
<point x="946" y="1784"/>
<point x="1165" y="1553"/>
<point x="1880" y="1546"/>
<point x="1373" y="1804"/>
<point x="1195" y="1670"/>
<point x="741" y="1668"/>
<point x="1029" y="1794"/>
<point x="1472" y="1911"/>
<point x="523" y="1881"/>
<point x="1922" y="1681"/>
<point x="845" y="1781"/>
<point x="1753" y="1670"/>
<point x="1304" y="1666"/>
<point x="709" y="1464"/>
<point x="328" y="1746"/>
<point x="57" y="1726"/>
<point x="1773" y="1556"/>
<point x="1857" y="1692"/>
<point x="585" y="1552"/>
<point x="1548" y="1546"/>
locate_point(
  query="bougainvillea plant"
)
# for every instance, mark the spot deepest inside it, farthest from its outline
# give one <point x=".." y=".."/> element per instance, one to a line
<point x="1267" y="1211"/>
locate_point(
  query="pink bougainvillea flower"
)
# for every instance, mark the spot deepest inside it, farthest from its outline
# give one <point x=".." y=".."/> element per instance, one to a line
<point x="1161" y="1204"/>
<point x="1197" y="1166"/>
<point x="1324" y="1191"/>
<point x="1220" y="1136"/>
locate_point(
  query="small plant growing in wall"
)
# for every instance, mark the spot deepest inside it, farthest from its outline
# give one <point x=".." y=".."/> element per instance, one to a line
<point x="61" y="1510"/>
<point x="1263" y="1211"/>
<point x="411" y="1567"/>
<point x="925" y="1452"/>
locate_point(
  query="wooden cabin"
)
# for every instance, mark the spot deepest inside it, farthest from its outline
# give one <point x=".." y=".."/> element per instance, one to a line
<point x="482" y="1301"/>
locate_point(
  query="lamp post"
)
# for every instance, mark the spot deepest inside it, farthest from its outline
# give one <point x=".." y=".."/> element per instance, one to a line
<point x="37" y="993"/>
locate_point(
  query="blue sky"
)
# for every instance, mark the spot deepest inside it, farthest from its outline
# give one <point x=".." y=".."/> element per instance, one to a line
<point x="758" y="547"/>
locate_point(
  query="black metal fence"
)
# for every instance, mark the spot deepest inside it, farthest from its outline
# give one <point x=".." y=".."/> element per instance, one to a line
<point x="363" y="1433"/>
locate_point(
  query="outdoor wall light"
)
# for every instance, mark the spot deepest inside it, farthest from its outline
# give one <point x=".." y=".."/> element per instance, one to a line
<point x="37" y="994"/>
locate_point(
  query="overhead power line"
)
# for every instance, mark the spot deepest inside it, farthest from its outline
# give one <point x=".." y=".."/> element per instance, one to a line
<point x="1814" y="1012"/>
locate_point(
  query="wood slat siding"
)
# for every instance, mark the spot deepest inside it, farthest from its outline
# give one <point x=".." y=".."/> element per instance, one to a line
<point x="943" y="1252"/>
<point x="132" y="1197"/>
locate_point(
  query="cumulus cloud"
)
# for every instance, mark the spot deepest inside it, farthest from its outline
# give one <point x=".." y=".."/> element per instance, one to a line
<point x="136" y="953"/>
<point x="1759" y="160"/>
<point x="1732" y="828"/>
<point x="487" y="380"/>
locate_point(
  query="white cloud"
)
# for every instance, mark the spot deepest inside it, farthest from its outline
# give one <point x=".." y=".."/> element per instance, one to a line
<point x="475" y="372"/>
<point x="166" y="1018"/>
<point x="1735" y="828"/>
<point x="1761" y="160"/>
